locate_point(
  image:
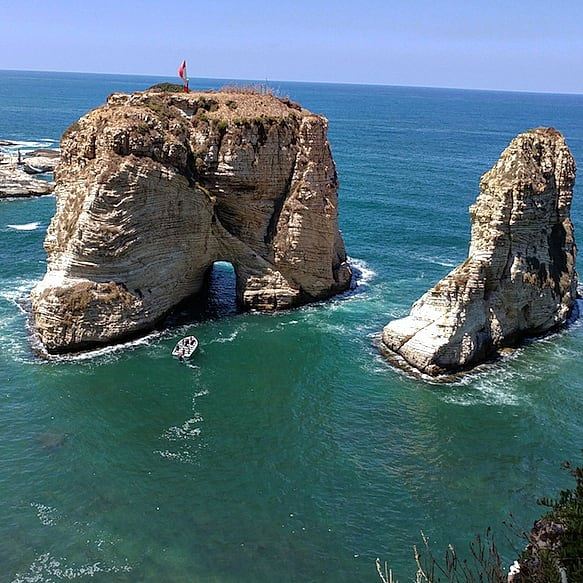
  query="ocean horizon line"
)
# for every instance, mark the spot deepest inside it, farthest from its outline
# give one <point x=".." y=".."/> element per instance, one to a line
<point x="300" y="82"/>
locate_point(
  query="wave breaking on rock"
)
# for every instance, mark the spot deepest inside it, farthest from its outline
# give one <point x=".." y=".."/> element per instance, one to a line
<point x="519" y="279"/>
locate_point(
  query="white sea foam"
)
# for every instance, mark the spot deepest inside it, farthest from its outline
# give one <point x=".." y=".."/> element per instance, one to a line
<point x="45" y="514"/>
<point x="187" y="430"/>
<point x="224" y="339"/>
<point x="25" y="227"/>
<point x="495" y="383"/>
<point x="17" y="290"/>
<point x="105" y="351"/>
<point x="47" y="568"/>
<point x="189" y="364"/>
<point x="491" y="391"/>
<point x="444" y="262"/>
<point x="179" y="456"/>
<point x="375" y="363"/>
<point x="347" y="330"/>
<point x="26" y="145"/>
<point x="13" y="339"/>
<point x="31" y="143"/>
<point x="489" y="384"/>
<point x="362" y="273"/>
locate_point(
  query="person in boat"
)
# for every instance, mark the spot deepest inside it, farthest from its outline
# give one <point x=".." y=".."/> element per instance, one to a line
<point x="185" y="348"/>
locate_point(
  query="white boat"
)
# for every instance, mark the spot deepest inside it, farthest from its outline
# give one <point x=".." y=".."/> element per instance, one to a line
<point x="185" y="348"/>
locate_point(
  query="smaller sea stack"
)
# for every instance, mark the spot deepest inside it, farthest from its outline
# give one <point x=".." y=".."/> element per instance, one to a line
<point x="519" y="279"/>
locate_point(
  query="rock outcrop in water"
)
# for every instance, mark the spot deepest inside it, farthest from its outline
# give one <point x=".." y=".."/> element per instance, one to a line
<point x="42" y="160"/>
<point x="519" y="279"/>
<point x="16" y="183"/>
<point x="15" y="177"/>
<point x="154" y="187"/>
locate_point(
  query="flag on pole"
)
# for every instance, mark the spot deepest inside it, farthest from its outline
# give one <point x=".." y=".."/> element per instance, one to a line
<point x="182" y="71"/>
<point x="182" y="74"/>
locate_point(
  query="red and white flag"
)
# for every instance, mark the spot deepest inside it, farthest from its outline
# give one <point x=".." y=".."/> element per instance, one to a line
<point x="182" y="71"/>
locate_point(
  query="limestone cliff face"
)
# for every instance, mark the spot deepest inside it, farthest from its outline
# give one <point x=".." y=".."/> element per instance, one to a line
<point x="154" y="187"/>
<point x="519" y="279"/>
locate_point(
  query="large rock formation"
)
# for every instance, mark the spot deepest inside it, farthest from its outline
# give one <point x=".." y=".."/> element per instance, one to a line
<point x="154" y="187"/>
<point x="519" y="279"/>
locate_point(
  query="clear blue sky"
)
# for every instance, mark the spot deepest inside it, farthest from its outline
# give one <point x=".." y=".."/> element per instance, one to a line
<point x="534" y="45"/>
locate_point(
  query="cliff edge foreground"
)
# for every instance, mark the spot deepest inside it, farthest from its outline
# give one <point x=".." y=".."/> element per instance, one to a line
<point x="519" y="279"/>
<point x="154" y="187"/>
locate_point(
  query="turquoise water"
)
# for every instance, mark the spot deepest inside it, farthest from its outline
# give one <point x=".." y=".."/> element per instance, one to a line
<point x="287" y="450"/>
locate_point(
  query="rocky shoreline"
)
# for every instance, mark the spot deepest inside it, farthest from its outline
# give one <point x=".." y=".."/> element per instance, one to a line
<point x="263" y="195"/>
<point x="17" y="173"/>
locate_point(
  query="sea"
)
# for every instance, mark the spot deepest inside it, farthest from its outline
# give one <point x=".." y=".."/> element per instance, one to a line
<point x="287" y="450"/>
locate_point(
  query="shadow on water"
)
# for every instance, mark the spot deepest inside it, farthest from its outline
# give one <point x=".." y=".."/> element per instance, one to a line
<point x="217" y="299"/>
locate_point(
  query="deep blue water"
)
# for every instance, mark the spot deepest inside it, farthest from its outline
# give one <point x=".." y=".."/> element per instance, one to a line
<point x="289" y="450"/>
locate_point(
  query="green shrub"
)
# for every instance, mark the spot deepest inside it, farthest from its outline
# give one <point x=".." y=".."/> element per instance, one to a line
<point x="166" y="87"/>
<point x="554" y="552"/>
<point x="158" y="106"/>
<point x="565" y="519"/>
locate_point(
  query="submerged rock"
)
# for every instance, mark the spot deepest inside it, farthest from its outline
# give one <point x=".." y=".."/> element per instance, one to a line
<point x="154" y="187"/>
<point x="519" y="279"/>
<point x="52" y="440"/>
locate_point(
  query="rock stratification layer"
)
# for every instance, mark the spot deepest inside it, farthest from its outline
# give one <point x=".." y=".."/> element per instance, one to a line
<point x="154" y="187"/>
<point x="519" y="279"/>
<point x="16" y="183"/>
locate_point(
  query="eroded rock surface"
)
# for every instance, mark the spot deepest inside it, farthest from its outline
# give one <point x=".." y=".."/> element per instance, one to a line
<point x="154" y="187"/>
<point x="16" y="183"/>
<point x="519" y="278"/>
<point x="43" y="160"/>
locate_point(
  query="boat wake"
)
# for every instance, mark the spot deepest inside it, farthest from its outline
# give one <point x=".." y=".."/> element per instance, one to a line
<point x="229" y="338"/>
<point x="47" y="515"/>
<point x="183" y="457"/>
<point x="97" y="353"/>
<point x="188" y="430"/>
<point x="46" y="567"/>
